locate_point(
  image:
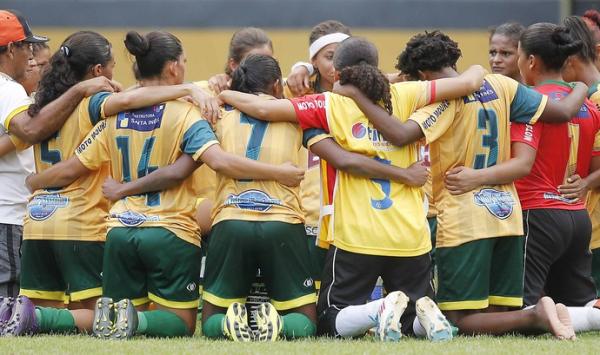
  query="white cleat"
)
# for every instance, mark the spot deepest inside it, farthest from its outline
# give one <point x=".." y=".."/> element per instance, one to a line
<point x="433" y="320"/>
<point x="392" y="308"/>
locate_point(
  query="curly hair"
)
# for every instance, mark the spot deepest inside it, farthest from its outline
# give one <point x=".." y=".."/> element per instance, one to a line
<point x="431" y="51"/>
<point x="77" y="55"/>
<point x="356" y="59"/>
<point x="553" y="44"/>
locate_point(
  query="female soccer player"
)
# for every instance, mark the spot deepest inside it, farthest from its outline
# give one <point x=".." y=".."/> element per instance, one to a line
<point x="147" y="230"/>
<point x="65" y="228"/>
<point x="481" y="231"/>
<point x="504" y="41"/>
<point x="365" y="218"/>
<point x="592" y="19"/>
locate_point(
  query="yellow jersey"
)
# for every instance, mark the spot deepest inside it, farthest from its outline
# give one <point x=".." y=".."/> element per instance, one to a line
<point x="368" y="216"/>
<point x="135" y="143"/>
<point x="474" y="131"/>
<point x="74" y="212"/>
<point x="268" y="142"/>
<point x="593" y="199"/>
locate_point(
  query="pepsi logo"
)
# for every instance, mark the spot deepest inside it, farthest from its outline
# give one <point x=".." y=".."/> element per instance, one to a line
<point x="359" y="130"/>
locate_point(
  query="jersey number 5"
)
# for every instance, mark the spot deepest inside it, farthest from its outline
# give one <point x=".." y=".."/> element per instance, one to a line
<point x="152" y="198"/>
<point x="487" y="121"/>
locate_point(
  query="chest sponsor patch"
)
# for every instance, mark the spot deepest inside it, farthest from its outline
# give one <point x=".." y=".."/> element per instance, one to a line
<point x="42" y="207"/>
<point x="133" y="219"/>
<point x="486" y="93"/>
<point x="144" y="120"/>
<point x="254" y="200"/>
<point x="498" y="203"/>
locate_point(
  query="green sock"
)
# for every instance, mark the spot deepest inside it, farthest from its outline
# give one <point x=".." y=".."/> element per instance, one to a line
<point x="161" y="324"/>
<point x="55" y="320"/>
<point x="297" y="325"/>
<point x="213" y="327"/>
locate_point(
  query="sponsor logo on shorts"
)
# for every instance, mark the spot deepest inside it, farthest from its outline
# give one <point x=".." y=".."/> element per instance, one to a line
<point x="191" y="286"/>
<point x="311" y="230"/>
<point x="254" y="200"/>
<point x="133" y="219"/>
<point x="41" y="207"/>
<point x="498" y="203"/>
<point x="555" y="197"/>
<point x="144" y="120"/>
<point x="308" y="282"/>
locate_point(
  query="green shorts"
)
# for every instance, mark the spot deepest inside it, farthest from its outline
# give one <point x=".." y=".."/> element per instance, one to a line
<point x="151" y="264"/>
<point x="317" y="258"/>
<point x="239" y="248"/>
<point x="61" y="270"/>
<point x="481" y="273"/>
<point x="596" y="269"/>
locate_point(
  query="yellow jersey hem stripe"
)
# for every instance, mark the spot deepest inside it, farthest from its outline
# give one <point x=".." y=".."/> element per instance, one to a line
<point x="506" y="301"/>
<point x="295" y="303"/>
<point x="85" y="294"/>
<point x="174" y="304"/>
<point x="540" y="109"/>
<point x="140" y="301"/>
<point x="44" y="295"/>
<point x="201" y="151"/>
<point x="461" y="305"/>
<point x="220" y="302"/>
<point x="12" y="114"/>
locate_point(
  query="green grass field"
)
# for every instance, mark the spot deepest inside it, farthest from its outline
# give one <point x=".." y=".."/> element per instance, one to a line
<point x="585" y="344"/>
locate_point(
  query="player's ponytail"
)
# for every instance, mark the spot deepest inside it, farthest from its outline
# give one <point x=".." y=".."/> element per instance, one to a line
<point x="77" y="55"/>
<point x="356" y="59"/>
<point x="256" y="74"/>
<point x="553" y="44"/>
<point x="152" y="51"/>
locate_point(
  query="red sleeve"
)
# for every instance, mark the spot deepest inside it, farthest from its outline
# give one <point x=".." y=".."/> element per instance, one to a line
<point x="311" y="112"/>
<point x="526" y="133"/>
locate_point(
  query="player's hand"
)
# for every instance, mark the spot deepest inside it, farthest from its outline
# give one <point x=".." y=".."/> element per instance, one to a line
<point x="299" y="81"/>
<point x="290" y="175"/>
<point x="98" y="84"/>
<point x="460" y="180"/>
<point x="347" y="90"/>
<point x="416" y="174"/>
<point x="111" y="189"/>
<point x="209" y="105"/>
<point x="575" y="188"/>
<point x="219" y="82"/>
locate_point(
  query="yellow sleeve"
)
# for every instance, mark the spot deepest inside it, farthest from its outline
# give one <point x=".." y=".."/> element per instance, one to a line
<point x="93" y="151"/>
<point x="412" y="95"/>
<point x="435" y="119"/>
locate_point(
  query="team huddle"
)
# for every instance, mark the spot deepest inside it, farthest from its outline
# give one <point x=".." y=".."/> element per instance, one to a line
<point x="471" y="198"/>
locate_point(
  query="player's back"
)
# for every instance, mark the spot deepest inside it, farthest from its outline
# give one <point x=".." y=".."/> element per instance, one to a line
<point x="268" y="142"/>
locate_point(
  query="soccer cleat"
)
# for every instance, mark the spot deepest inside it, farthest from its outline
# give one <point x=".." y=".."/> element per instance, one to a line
<point x="268" y="322"/>
<point x="431" y="318"/>
<point x="126" y="320"/>
<point x="235" y="324"/>
<point x="103" y="317"/>
<point x="23" y="320"/>
<point x="388" y="316"/>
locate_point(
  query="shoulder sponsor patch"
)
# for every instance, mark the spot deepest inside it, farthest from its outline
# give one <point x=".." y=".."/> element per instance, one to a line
<point x="486" y="93"/>
<point x="254" y="200"/>
<point x="133" y="219"/>
<point x="498" y="203"/>
<point x="42" y="207"/>
<point x="144" y="120"/>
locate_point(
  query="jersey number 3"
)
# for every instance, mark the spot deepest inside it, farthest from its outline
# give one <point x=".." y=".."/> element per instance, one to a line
<point x="487" y="122"/>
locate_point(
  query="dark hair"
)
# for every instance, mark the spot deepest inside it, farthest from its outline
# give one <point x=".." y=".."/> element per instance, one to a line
<point x="37" y="47"/>
<point x="356" y="59"/>
<point x="256" y="74"/>
<point x="552" y="43"/>
<point x="69" y="65"/>
<point x="592" y="17"/>
<point x="326" y="28"/>
<point x="431" y="51"/>
<point x="580" y="31"/>
<point x="511" y="30"/>
<point x="245" y="40"/>
<point x="152" y="51"/>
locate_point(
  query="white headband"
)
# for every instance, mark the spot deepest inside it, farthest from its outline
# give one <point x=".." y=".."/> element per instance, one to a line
<point x="325" y="41"/>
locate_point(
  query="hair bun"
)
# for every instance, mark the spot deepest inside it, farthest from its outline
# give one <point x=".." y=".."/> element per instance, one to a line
<point x="137" y="44"/>
<point x="564" y="41"/>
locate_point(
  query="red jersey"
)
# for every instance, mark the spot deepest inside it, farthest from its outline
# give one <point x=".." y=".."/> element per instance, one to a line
<point x="562" y="150"/>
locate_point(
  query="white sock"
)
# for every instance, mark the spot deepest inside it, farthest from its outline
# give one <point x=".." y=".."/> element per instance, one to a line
<point x="356" y="320"/>
<point x="584" y="318"/>
<point x="418" y="328"/>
